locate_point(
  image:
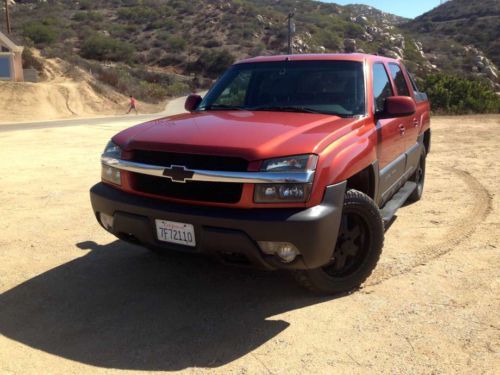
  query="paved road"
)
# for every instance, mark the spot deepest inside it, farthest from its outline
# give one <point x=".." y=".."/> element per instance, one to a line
<point x="173" y="107"/>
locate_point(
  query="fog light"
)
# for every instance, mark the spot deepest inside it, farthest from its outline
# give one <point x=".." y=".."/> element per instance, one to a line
<point x="286" y="251"/>
<point x="111" y="174"/>
<point x="282" y="193"/>
<point x="106" y="221"/>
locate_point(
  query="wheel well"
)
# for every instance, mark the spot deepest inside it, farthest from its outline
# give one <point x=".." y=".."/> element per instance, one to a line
<point x="363" y="181"/>
<point x="427" y="141"/>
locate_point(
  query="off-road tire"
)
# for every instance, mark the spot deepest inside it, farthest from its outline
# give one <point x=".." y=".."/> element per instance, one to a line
<point x="321" y="280"/>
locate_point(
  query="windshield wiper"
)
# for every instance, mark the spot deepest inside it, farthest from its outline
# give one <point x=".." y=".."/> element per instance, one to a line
<point x="223" y="107"/>
<point x="278" y="108"/>
<point x="297" y="109"/>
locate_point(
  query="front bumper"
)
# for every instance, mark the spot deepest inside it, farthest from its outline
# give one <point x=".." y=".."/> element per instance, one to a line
<point x="231" y="234"/>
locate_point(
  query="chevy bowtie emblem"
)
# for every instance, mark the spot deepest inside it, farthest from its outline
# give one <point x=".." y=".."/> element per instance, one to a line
<point x="178" y="173"/>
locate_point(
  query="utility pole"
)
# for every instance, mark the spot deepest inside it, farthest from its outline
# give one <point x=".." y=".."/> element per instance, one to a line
<point x="291" y="30"/>
<point x="7" y="17"/>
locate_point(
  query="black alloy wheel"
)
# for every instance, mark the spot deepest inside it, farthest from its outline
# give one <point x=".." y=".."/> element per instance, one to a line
<point x="351" y="248"/>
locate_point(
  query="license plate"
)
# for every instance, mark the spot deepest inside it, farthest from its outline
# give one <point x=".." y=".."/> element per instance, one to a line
<point x="173" y="232"/>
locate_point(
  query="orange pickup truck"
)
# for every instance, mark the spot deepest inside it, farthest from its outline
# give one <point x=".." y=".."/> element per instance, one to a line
<point x="289" y="162"/>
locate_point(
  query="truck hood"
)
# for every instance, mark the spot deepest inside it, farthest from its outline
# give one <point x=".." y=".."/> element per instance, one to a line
<point x="253" y="135"/>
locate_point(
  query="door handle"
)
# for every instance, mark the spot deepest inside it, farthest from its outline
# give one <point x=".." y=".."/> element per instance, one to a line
<point x="402" y="129"/>
<point x="416" y="123"/>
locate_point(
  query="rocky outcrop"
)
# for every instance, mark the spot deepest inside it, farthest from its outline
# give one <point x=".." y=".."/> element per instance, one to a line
<point x="482" y="66"/>
<point x="350" y="45"/>
<point x="375" y="14"/>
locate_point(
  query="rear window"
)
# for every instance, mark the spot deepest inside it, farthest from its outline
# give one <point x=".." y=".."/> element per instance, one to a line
<point x="399" y="80"/>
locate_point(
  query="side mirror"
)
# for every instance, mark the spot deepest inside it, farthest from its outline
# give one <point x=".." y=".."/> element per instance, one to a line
<point x="399" y="106"/>
<point x="192" y="102"/>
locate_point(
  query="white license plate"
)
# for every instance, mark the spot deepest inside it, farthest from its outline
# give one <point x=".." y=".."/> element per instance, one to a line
<point x="173" y="232"/>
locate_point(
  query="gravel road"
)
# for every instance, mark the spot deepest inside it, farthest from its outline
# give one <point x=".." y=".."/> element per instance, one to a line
<point x="173" y="107"/>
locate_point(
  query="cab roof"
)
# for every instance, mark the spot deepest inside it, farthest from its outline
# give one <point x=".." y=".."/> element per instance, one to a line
<point x="361" y="57"/>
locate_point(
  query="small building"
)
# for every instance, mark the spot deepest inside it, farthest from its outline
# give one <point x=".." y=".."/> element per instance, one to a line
<point x="11" y="60"/>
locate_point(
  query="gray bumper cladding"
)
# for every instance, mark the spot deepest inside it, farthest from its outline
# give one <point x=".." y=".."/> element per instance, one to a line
<point x="226" y="232"/>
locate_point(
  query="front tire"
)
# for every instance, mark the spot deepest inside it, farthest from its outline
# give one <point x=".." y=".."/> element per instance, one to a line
<point x="357" y="251"/>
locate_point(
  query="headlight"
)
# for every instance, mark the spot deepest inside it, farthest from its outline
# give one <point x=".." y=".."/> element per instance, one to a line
<point x="112" y="150"/>
<point x="110" y="174"/>
<point x="289" y="192"/>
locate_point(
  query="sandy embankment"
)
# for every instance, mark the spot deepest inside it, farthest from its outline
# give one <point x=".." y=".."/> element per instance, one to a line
<point x="62" y="95"/>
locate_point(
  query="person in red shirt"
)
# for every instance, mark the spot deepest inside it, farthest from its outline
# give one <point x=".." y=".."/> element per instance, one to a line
<point x="132" y="105"/>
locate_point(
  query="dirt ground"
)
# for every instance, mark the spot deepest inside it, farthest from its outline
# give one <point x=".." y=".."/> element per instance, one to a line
<point x="74" y="300"/>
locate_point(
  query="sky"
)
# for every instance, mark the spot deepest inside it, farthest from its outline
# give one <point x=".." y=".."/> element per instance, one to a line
<point x="404" y="8"/>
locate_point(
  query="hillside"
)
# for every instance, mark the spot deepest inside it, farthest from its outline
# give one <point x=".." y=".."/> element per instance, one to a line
<point x="473" y="24"/>
<point x="176" y="33"/>
<point x="159" y="48"/>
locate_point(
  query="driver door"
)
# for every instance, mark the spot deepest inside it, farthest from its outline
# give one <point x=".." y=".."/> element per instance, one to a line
<point x="390" y="135"/>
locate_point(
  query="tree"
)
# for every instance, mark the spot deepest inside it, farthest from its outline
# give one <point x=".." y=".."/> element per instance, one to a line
<point x="100" y="47"/>
<point x="39" y="32"/>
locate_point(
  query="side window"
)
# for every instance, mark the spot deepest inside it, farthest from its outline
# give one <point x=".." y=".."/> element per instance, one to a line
<point x="399" y="80"/>
<point x="413" y="83"/>
<point x="419" y="96"/>
<point x="381" y="87"/>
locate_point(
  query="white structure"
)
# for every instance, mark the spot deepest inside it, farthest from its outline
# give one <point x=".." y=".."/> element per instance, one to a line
<point x="11" y="60"/>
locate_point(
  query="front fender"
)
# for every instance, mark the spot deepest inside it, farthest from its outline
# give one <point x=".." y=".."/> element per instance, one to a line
<point x="346" y="157"/>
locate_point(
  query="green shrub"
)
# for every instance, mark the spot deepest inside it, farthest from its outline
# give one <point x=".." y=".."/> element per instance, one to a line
<point x="212" y="62"/>
<point x="171" y="60"/>
<point x="117" y="30"/>
<point x="150" y="91"/>
<point x="87" y="4"/>
<point x="328" y="39"/>
<point x="80" y="17"/>
<point x="110" y="77"/>
<point x="130" y="3"/>
<point x="145" y="85"/>
<point x="138" y="14"/>
<point x="39" y="32"/>
<point x="353" y="30"/>
<point x="176" y="44"/>
<point x="170" y="42"/>
<point x="169" y="24"/>
<point x="456" y="95"/>
<point x="258" y="49"/>
<point x="30" y="61"/>
<point x="178" y="89"/>
<point x="212" y="43"/>
<point x="90" y="16"/>
<point x="100" y="47"/>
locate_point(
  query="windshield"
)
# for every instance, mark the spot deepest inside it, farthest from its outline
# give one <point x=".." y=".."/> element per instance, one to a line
<point x="330" y="87"/>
